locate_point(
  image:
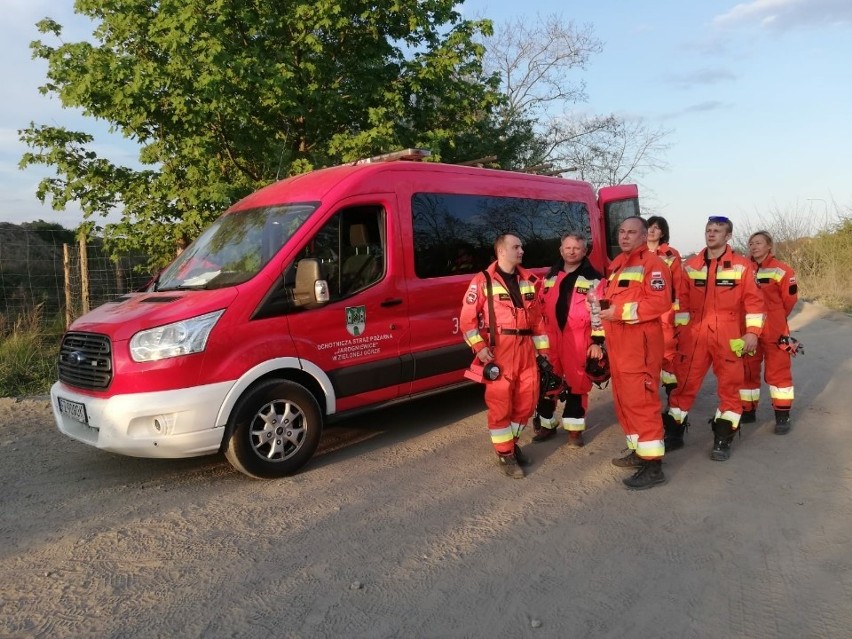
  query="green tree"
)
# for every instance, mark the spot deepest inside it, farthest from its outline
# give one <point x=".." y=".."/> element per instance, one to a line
<point x="224" y="96"/>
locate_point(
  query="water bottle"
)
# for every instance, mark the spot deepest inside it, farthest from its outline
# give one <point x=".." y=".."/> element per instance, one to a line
<point x="594" y="308"/>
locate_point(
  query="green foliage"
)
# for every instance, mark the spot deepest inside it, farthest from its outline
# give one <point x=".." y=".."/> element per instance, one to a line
<point x="823" y="265"/>
<point x="28" y="349"/>
<point x="50" y="232"/>
<point x="224" y="96"/>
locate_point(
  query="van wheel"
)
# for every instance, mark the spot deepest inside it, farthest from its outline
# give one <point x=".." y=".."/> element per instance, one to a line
<point x="274" y="430"/>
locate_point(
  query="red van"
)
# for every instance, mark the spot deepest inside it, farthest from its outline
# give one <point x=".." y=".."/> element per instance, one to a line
<point x="320" y="295"/>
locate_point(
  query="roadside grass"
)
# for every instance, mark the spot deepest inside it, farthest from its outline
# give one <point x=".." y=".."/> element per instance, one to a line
<point x="29" y="343"/>
<point x="823" y="266"/>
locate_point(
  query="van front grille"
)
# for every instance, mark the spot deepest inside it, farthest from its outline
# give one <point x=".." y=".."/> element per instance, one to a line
<point x="85" y="361"/>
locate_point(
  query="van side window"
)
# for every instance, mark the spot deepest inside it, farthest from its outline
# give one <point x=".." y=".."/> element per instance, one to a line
<point x="351" y="248"/>
<point x="455" y="233"/>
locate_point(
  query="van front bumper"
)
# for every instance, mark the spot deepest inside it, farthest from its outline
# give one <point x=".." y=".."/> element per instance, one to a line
<point x="166" y="424"/>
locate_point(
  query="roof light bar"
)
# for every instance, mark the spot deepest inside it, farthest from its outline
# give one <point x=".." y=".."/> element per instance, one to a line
<point x="411" y="155"/>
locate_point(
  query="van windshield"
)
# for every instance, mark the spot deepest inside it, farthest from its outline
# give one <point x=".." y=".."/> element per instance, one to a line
<point x="235" y="247"/>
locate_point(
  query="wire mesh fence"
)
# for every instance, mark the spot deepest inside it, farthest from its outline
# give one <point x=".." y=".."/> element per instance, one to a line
<point x="50" y="270"/>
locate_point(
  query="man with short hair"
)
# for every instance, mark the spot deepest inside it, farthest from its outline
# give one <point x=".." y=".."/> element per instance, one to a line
<point x="719" y="298"/>
<point x="515" y="316"/>
<point x="638" y="292"/>
<point x="572" y="339"/>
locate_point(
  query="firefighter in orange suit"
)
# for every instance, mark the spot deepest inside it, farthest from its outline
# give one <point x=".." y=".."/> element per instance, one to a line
<point x="638" y="293"/>
<point x="719" y="299"/>
<point x="777" y="282"/>
<point x="519" y="335"/>
<point x="658" y="241"/>
<point x="572" y="340"/>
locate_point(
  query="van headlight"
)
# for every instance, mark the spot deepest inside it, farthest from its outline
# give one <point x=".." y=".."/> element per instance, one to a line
<point x="173" y="340"/>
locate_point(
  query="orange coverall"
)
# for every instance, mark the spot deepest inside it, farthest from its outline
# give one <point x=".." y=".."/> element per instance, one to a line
<point x="673" y="260"/>
<point x="568" y="345"/>
<point x="520" y="336"/>
<point x="717" y="297"/>
<point x="639" y="292"/>
<point x="777" y="282"/>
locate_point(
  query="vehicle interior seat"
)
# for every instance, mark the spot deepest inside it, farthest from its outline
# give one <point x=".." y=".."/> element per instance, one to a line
<point x="360" y="267"/>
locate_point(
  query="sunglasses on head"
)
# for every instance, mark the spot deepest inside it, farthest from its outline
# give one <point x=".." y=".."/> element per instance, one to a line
<point x="720" y="219"/>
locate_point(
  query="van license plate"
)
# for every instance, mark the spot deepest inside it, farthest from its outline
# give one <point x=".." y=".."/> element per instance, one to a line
<point x="74" y="410"/>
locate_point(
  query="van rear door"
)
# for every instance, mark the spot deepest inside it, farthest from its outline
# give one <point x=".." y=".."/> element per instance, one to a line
<point x="617" y="203"/>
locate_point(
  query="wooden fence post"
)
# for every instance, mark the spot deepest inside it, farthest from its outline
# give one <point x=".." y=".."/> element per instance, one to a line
<point x="66" y="267"/>
<point x="84" y="274"/>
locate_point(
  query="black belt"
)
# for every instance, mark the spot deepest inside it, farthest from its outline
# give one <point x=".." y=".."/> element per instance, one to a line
<point x="516" y="331"/>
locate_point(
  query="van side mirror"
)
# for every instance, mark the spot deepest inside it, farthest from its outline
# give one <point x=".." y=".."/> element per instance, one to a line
<point x="311" y="289"/>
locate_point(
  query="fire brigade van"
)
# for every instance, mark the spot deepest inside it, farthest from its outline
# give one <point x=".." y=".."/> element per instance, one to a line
<point x="316" y="297"/>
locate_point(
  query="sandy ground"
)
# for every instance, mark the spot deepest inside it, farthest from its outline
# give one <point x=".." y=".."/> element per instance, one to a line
<point x="403" y="526"/>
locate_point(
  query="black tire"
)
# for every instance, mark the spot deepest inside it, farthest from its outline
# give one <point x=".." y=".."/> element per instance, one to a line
<point x="274" y="430"/>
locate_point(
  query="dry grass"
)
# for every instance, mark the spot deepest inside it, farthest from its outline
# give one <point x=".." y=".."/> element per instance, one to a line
<point x="818" y="247"/>
<point x="28" y="350"/>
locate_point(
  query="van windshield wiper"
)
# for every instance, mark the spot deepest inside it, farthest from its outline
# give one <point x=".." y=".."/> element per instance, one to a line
<point x="183" y="287"/>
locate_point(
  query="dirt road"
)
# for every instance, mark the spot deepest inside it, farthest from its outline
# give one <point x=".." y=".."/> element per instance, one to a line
<point x="403" y="526"/>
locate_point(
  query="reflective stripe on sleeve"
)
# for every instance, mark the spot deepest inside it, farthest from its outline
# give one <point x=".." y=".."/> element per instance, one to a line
<point x="541" y="342"/>
<point x="754" y="320"/>
<point x="630" y="312"/>
<point x="681" y="318"/>
<point x="472" y="337"/>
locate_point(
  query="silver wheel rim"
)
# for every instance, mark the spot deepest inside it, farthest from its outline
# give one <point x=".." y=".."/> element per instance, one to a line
<point x="278" y="430"/>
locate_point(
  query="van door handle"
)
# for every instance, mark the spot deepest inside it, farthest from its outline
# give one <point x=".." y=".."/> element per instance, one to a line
<point x="393" y="301"/>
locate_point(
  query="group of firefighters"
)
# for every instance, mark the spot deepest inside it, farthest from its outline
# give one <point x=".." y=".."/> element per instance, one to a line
<point x="655" y="319"/>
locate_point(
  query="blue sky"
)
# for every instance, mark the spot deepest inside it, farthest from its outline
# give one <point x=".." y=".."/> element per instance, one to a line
<point x="757" y="94"/>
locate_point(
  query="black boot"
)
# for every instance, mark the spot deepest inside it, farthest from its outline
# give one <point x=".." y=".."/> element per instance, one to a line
<point x="782" y="422"/>
<point x="723" y="435"/>
<point x="748" y="417"/>
<point x="509" y="465"/>
<point x="521" y="458"/>
<point x="630" y="460"/>
<point x="673" y="432"/>
<point x="649" y="475"/>
<point x="536" y="424"/>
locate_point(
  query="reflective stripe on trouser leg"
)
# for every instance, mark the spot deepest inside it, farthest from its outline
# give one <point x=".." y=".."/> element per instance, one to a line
<point x="782" y="398"/>
<point x="731" y="416"/>
<point x="638" y="404"/>
<point x="574" y="424"/>
<point x="545" y="409"/>
<point x="729" y="372"/>
<point x="574" y="412"/>
<point x="750" y="390"/>
<point x="678" y="415"/>
<point x="750" y="397"/>
<point x="503" y="439"/>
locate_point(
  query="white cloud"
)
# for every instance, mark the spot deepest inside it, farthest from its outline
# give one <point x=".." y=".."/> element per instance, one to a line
<point x="785" y="15"/>
<point x="701" y="77"/>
